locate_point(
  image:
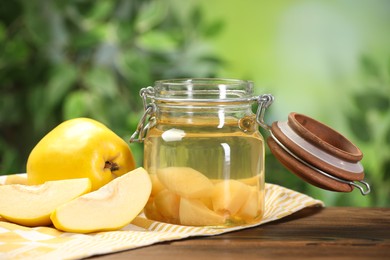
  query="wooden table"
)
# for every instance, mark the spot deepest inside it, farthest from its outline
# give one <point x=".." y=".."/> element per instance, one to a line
<point x="312" y="233"/>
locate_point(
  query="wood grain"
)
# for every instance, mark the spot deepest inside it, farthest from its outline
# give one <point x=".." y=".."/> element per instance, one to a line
<point x="312" y="233"/>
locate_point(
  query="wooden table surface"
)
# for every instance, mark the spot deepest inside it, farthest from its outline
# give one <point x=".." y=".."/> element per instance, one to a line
<point x="312" y="233"/>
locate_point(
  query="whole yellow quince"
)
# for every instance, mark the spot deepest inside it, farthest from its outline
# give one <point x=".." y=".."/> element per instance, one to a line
<point x="79" y="148"/>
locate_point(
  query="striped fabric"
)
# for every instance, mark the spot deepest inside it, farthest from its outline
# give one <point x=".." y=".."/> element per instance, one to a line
<point x="19" y="242"/>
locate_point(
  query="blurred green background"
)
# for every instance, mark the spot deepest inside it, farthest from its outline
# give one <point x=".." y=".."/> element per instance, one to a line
<point x="327" y="59"/>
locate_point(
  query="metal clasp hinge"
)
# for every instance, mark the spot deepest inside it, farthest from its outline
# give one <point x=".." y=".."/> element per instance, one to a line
<point x="263" y="101"/>
<point x="148" y="119"/>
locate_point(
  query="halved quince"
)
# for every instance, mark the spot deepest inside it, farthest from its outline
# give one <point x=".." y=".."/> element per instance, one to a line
<point x="194" y="213"/>
<point x="185" y="181"/>
<point x="111" y="207"/>
<point x="32" y="205"/>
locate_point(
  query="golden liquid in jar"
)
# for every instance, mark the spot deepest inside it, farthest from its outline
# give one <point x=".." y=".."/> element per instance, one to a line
<point x="229" y="158"/>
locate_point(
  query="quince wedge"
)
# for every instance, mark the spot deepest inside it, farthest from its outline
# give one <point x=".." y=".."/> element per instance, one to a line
<point x="156" y="184"/>
<point x="251" y="207"/>
<point x="111" y="207"/>
<point x="151" y="211"/>
<point x="167" y="204"/>
<point x="185" y="181"/>
<point x="194" y="213"/>
<point x="32" y="205"/>
<point x="229" y="196"/>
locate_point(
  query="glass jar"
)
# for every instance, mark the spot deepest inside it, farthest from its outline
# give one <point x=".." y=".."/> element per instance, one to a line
<point x="203" y="151"/>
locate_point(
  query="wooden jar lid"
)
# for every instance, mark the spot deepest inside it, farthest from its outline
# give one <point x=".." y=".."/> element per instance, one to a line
<point x="317" y="154"/>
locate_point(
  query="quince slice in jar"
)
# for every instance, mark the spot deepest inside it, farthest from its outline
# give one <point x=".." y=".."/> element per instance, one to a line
<point x="156" y="184"/>
<point x="194" y="213"/>
<point x="252" y="181"/>
<point x="185" y="181"/>
<point x="251" y="208"/>
<point x="207" y="202"/>
<point x="167" y="204"/>
<point x="151" y="212"/>
<point x="229" y="196"/>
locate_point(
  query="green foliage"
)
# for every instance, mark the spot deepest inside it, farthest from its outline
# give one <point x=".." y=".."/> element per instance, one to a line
<point x="66" y="59"/>
<point x="369" y="122"/>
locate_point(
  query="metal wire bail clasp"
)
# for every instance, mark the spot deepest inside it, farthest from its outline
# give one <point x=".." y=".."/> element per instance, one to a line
<point x="148" y="119"/>
<point x="264" y="101"/>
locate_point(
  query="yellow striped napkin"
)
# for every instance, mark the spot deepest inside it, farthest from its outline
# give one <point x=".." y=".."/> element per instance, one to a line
<point x="19" y="242"/>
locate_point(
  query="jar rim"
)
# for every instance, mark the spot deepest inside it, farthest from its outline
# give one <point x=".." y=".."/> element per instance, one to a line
<point x="203" y="90"/>
<point x="203" y="81"/>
